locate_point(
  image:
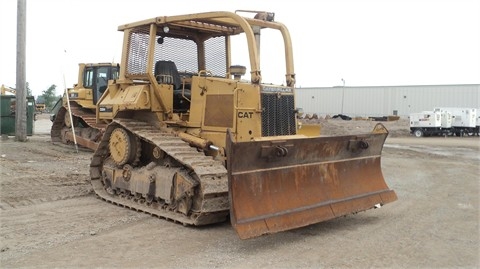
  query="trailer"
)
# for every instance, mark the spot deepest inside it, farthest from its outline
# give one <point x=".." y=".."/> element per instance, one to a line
<point x="428" y="123"/>
<point x="477" y="124"/>
<point x="465" y="121"/>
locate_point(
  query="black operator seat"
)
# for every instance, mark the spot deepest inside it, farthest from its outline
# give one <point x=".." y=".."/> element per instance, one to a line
<point x="166" y="73"/>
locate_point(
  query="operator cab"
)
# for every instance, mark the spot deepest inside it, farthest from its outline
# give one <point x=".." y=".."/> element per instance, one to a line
<point x="97" y="77"/>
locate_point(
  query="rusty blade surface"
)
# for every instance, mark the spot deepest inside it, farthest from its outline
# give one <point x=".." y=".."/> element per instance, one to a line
<point x="280" y="185"/>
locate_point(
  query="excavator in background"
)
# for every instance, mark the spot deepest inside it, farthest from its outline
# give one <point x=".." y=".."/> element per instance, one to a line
<point x="5" y="89"/>
<point x="191" y="141"/>
<point x="92" y="81"/>
<point x="39" y="103"/>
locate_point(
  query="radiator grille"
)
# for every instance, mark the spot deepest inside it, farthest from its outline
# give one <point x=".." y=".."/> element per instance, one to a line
<point x="278" y="114"/>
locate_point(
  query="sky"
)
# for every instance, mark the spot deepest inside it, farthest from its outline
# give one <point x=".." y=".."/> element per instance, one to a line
<point x="335" y="42"/>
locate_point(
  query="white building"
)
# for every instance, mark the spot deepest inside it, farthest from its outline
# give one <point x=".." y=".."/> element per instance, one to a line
<point x="378" y="101"/>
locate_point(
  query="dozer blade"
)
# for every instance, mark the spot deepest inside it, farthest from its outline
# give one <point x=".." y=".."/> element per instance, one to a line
<point x="279" y="185"/>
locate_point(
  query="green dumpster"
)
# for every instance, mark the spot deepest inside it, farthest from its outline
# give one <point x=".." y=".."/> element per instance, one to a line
<point x="7" y="114"/>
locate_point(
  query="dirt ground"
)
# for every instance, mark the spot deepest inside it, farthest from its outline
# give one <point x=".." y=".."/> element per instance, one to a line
<point x="50" y="218"/>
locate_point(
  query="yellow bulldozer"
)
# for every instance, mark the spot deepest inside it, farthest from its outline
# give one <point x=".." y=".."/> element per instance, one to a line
<point x="193" y="141"/>
<point x="74" y="118"/>
<point x="40" y="106"/>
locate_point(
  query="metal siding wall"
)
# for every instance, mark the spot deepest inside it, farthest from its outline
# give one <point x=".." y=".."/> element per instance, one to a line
<point x="319" y="100"/>
<point x="365" y="102"/>
<point x="382" y="101"/>
<point x="424" y="98"/>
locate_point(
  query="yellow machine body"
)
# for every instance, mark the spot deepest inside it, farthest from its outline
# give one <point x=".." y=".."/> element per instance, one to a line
<point x="193" y="141"/>
<point x="75" y="119"/>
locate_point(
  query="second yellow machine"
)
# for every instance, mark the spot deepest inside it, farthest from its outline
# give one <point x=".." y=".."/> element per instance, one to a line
<point x="191" y="140"/>
<point x="74" y="118"/>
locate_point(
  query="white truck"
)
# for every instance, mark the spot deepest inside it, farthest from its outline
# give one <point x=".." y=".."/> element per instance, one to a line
<point x="477" y="127"/>
<point x="465" y="121"/>
<point x="429" y="123"/>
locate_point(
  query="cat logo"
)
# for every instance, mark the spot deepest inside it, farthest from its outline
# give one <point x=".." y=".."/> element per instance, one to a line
<point x="245" y="115"/>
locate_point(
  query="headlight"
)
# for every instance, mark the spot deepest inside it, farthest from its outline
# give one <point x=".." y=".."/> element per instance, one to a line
<point x="299" y="112"/>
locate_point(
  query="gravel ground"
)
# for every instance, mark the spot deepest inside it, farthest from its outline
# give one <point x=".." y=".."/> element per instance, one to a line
<point x="50" y="218"/>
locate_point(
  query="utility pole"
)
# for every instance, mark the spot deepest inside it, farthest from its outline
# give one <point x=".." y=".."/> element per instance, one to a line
<point x="21" y="91"/>
<point x="343" y="94"/>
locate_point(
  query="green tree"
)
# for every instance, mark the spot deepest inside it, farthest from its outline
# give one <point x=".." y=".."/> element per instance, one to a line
<point x="50" y="96"/>
<point x="29" y="91"/>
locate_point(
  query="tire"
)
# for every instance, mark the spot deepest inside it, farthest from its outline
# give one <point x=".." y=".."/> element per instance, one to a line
<point x="418" y="133"/>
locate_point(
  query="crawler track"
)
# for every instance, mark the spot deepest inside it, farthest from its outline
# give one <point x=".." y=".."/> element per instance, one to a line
<point x="88" y="132"/>
<point x="211" y="193"/>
